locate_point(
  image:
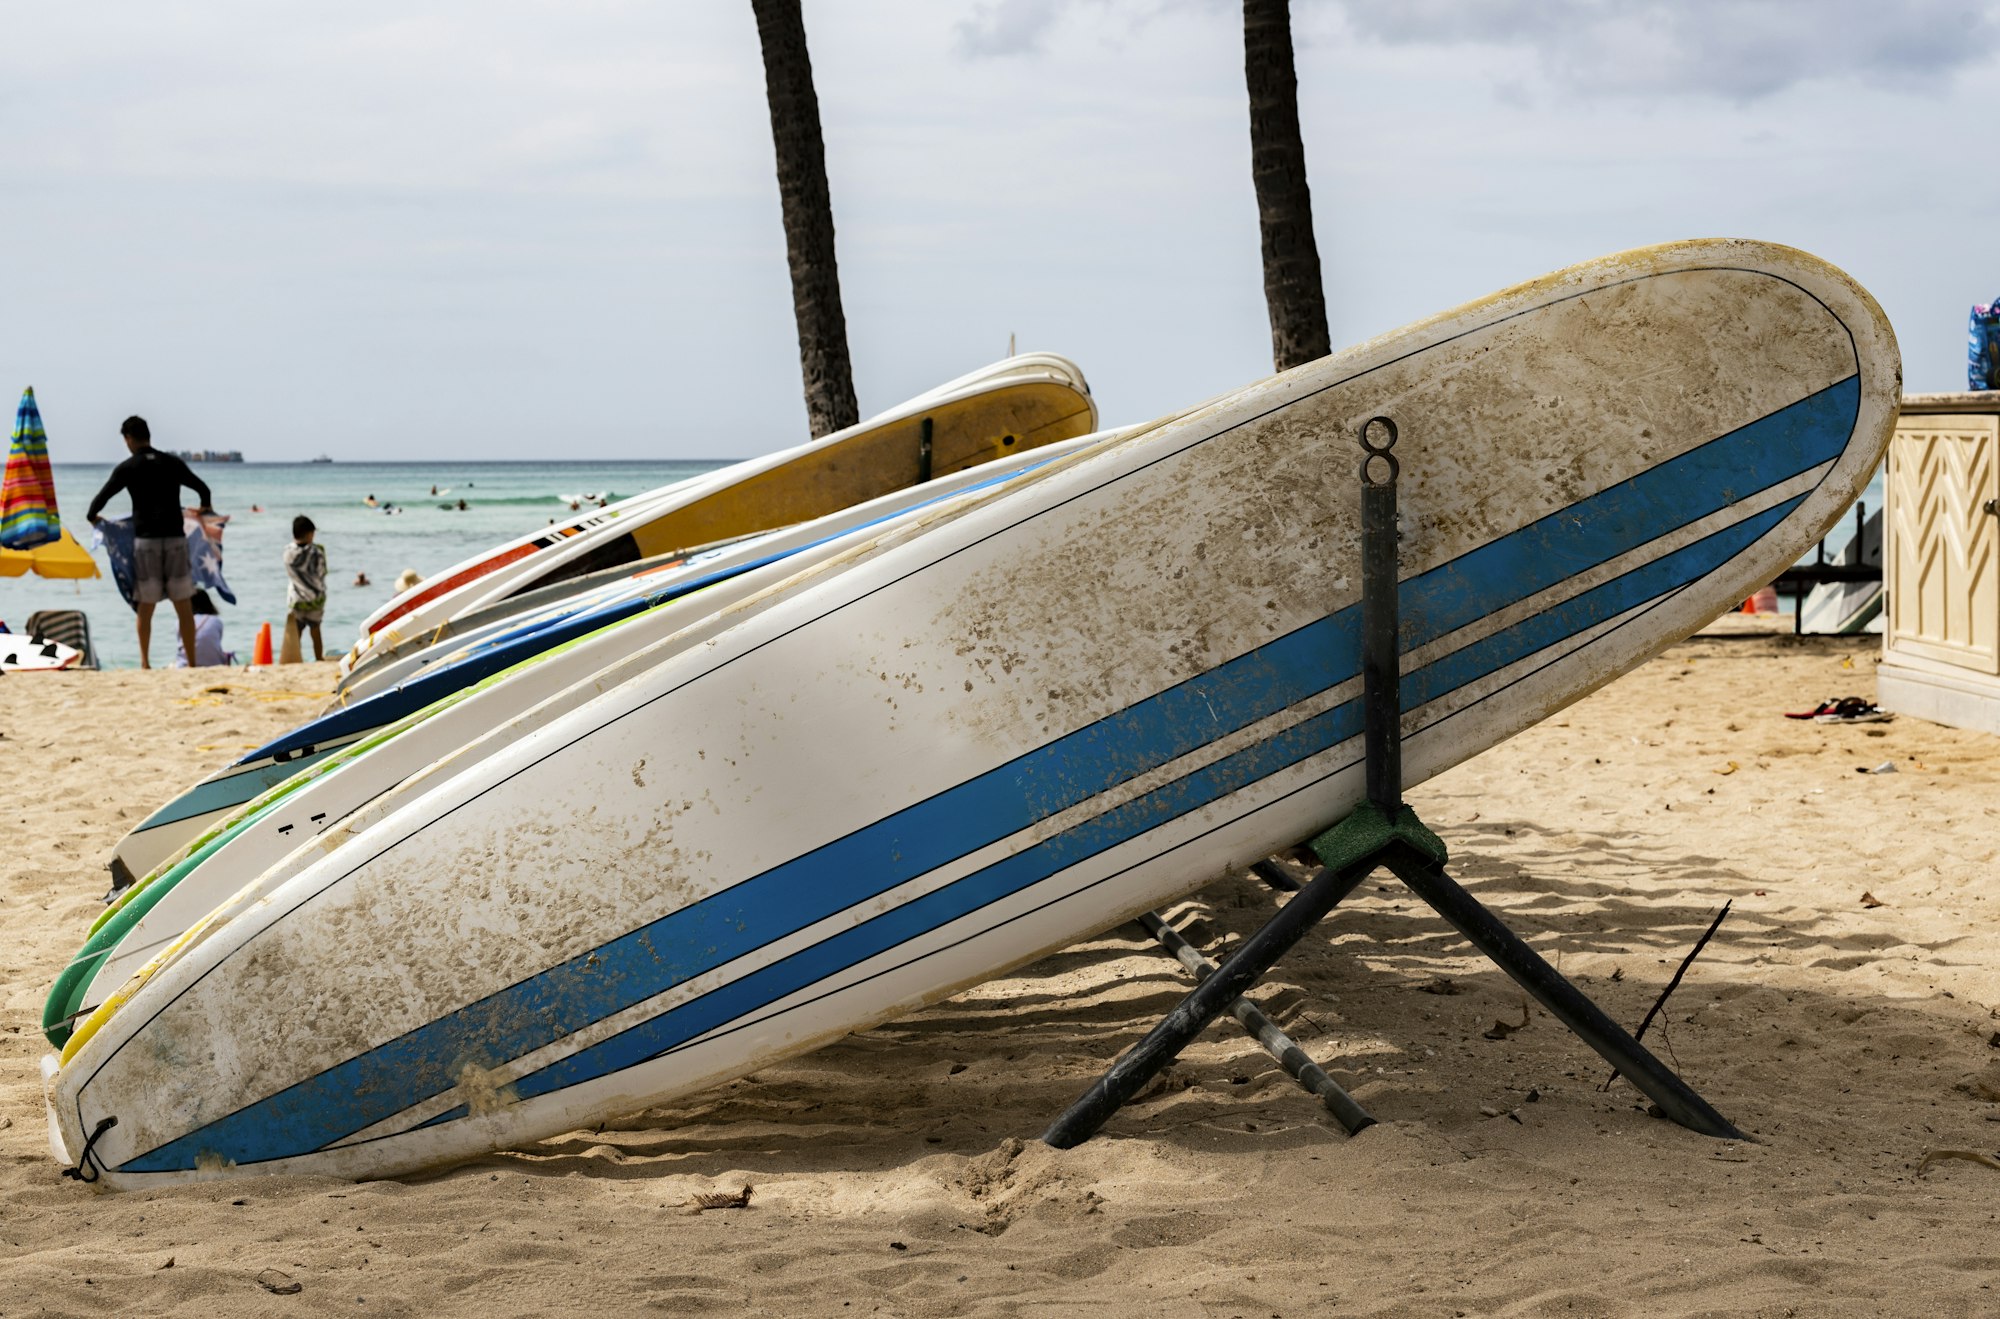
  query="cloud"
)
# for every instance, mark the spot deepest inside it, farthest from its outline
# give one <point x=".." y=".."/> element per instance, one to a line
<point x="999" y="28"/>
<point x="509" y="95"/>
<point x="1739" y="50"/>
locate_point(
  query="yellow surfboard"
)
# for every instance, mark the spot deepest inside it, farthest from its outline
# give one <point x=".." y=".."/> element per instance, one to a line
<point x="959" y="433"/>
<point x="1014" y="405"/>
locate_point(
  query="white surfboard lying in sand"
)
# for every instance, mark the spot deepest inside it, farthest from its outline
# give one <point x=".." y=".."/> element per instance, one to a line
<point x="986" y="737"/>
<point x="1001" y="412"/>
<point x="274" y="838"/>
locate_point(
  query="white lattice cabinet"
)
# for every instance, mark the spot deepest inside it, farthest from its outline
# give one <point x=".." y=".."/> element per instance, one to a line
<point x="1941" y="562"/>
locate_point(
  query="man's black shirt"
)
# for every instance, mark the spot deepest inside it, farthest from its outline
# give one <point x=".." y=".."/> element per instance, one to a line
<point x="154" y="480"/>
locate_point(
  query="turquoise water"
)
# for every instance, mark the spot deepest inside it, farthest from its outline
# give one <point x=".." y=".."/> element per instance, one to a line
<point x="503" y="500"/>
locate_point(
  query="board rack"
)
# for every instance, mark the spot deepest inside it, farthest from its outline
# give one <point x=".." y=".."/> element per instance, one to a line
<point x="1382" y="833"/>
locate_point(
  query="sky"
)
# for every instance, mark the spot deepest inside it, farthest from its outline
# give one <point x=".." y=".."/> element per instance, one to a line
<point x="522" y="230"/>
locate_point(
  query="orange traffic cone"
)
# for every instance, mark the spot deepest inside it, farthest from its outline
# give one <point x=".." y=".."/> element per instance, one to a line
<point x="260" y="653"/>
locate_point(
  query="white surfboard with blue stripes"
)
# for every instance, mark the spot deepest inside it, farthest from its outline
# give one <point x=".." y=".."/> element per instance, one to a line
<point x="165" y="834"/>
<point x="293" y="831"/>
<point x="992" y="735"/>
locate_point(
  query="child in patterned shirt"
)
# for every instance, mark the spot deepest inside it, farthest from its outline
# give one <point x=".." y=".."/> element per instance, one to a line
<point x="305" y="587"/>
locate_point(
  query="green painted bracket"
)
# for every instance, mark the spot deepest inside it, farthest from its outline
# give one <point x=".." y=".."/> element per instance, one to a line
<point x="1370" y="831"/>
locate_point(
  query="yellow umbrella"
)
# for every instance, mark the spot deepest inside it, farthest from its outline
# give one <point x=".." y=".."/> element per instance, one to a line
<point x="61" y="557"/>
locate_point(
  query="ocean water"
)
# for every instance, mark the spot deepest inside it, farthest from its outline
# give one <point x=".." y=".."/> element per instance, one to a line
<point x="503" y="501"/>
<point x="428" y="533"/>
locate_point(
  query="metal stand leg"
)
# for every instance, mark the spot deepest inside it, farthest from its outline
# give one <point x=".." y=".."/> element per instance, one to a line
<point x="1191" y="1016"/>
<point x="1274" y="875"/>
<point x="1564" y="1001"/>
<point x="1382" y="833"/>
<point x="1296" y="1062"/>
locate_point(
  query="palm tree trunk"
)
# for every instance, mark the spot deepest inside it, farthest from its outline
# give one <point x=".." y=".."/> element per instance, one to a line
<point x="829" y="376"/>
<point x="1292" y="289"/>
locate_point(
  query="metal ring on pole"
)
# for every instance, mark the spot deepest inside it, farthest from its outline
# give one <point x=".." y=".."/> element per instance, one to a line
<point x="1373" y="451"/>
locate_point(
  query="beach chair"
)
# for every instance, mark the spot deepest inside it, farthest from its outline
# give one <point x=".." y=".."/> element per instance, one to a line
<point x="67" y="626"/>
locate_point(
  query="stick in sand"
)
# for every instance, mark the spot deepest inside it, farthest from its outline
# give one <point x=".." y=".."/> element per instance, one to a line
<point x="1674" y="984"/>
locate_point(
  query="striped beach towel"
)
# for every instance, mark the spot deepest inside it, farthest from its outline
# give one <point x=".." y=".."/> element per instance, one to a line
<point x="28" y="490"/>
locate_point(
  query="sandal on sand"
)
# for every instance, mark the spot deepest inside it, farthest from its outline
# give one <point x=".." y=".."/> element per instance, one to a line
<point x="1844" y="710"/>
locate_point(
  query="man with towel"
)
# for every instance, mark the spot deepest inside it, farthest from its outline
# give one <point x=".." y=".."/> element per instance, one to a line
<point x="160" y="566"/>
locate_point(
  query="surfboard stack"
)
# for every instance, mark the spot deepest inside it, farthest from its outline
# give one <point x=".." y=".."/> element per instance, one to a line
<point x="782" y="789"/>
<point x="480" y="618"/>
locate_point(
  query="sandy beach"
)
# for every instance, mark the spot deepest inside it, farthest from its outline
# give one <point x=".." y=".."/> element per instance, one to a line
<point x="1844" y="1016"/>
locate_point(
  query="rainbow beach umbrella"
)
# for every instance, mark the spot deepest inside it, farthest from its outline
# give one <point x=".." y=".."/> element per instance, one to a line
<point x="32" y="538"/>
<point x="64" y="558"/>
<point x="28" y="514"/>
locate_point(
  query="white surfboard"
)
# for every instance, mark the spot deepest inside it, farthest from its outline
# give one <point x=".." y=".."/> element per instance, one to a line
<point x="272" y="837"/>
<point x="986" y="737"/>
<point x="22" y="654"/>
<point x="1041" y="395"/>
<point x="413" y="658"/>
